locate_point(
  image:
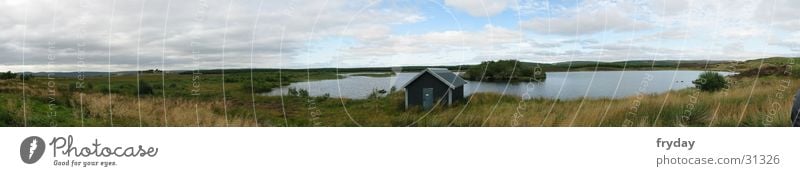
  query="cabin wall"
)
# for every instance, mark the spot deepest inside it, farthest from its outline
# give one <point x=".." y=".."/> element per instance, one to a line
<point x="426" y="80"/>
<point x="458" y="94"/>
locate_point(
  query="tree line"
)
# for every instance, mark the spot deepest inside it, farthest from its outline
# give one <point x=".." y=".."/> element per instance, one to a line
<point x="9" y="75"/>
<point x="504" y="70"/>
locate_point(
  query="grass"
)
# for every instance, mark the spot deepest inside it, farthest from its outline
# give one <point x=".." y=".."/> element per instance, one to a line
<point x="184" y="100"/>
<point x="688" y="107"/>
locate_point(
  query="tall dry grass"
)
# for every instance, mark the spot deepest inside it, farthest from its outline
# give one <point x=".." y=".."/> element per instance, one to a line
<point x="743" y="104"/>
<point x="127" y="110"/>
<point x="766" y="104"/>
<point x="97" y="109"/>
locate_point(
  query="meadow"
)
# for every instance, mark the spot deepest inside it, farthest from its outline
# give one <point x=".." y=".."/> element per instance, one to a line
<point x="190" y="99"/>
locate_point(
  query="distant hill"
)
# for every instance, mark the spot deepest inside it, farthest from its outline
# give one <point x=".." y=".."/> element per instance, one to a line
<point x="550" y="67"/>
<point x="67" y="74"/>
<point x="630" y="65"/>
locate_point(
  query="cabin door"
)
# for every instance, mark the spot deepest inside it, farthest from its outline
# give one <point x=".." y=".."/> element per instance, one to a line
<point x="427" y="98"/>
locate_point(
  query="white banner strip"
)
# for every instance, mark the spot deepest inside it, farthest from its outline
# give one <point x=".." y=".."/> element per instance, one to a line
<point x="400" y="151"/>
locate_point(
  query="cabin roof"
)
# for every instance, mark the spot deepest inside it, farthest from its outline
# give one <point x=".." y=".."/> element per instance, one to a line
<point x="446" y="76"/>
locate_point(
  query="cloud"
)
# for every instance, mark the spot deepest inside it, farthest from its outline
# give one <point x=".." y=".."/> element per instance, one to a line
<point x="742" y="32"/>
<point x="192" y="28"/>
<point x="582" y="42"/>
<point x="733" y="49"/>
<point x="489" y="38"/>
<point x="780" y="13"/>
<point x="792" y="42"/>
<point x="587" y="19"/>
<point x="480" y="8"/>
<point x="356" y="33"/>
<point x="443" y="47"/>
<point x="668" y="8"/>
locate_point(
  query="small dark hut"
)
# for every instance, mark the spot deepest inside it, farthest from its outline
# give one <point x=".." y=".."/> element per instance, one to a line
<point x="434" y="85"/>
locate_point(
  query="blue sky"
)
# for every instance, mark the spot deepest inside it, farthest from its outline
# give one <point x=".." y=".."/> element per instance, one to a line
<point x="558" y="31"/>
<point x="45" y="35"/>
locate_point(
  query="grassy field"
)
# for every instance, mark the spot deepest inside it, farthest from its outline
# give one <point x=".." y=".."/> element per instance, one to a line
<point x="199" y="100"/>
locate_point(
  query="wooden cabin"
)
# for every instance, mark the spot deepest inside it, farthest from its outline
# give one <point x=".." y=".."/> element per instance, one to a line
<point x="434" y="85"/>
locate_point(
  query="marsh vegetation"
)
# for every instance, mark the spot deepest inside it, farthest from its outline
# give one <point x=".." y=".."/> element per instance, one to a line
<point x="208" y="99"/>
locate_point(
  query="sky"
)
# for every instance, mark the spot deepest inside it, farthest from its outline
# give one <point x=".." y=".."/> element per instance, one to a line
<point x="125" y="35"/>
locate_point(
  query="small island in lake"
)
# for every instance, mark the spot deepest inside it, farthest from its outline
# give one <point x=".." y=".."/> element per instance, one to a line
<point x="504" y="70"/>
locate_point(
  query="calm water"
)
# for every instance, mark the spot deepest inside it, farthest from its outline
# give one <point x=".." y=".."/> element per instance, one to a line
<point x="558" y="85"/>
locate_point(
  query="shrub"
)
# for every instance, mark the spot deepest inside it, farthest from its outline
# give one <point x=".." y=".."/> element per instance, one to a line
<point x="324" y="97"/>
<point x="145" y="88"/>
<point x="292" y="92"/>
<point x="302" y="93"/>
<point x="6" y="119"/>
<point x="298" y="93"/>
<point x="375" y="94"/>
<point x="794" y="70"/>
<point x="710" y="81"/>
<point x="8" y="75"/>
<point x="258" y="87"/>
<point x="26" y="77"/>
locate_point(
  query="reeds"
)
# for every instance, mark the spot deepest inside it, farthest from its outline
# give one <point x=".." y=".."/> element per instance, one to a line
<point x="742" y="104"/>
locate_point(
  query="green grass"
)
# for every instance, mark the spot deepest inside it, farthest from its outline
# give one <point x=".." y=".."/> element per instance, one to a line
<point x="484" y="109"/>
<point x="186" y="100"/>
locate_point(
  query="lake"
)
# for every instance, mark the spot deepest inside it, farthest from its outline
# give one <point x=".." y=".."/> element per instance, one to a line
<point x="558" y="85"/>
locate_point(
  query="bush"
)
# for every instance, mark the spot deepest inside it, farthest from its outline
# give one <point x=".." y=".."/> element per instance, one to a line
<point x="258" y="87"/>
<point x="303" y="93"/>
<point x="298" y="93"/>
<point x="710" y="81"/>
<point x="375" y="94"/>
<point x="6" y="119"/>
<point x="292" y="92"/>
<point x="324" y="97"/>
<point x="794" y="71"/>
<point x="8" y="75"/>
<point x="145" y="88"/>
<point x="26" y="77"/>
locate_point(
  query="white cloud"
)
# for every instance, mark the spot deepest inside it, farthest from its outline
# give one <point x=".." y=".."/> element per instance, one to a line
<point x="491" y="37"/>
<point x="792" y="42"/>
<point x="285" y="28"/>
<point x="452" y="46"/>
<point x="669" y="7"/>
<point x="588" y="18"/>
<point x="742" y="32"/>
<point x="300" y="32"/>
<point x="480" y="8"/>
<point x="780" y="13"/>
